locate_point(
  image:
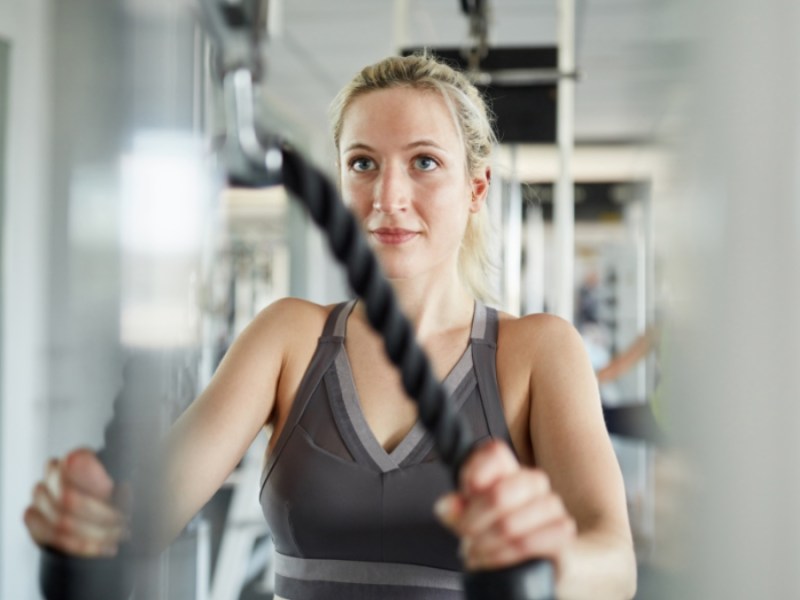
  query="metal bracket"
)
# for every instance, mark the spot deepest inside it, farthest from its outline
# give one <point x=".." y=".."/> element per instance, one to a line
<point x="238" y="30"/>
<point x="477" y="11"/>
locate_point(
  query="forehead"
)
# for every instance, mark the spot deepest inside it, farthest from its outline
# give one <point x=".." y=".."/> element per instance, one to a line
<point x="400" y="114"/>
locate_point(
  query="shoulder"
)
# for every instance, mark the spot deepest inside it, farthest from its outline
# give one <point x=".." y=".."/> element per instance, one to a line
<point x="280" y="336"/>
<point x="538" y="333"/>
<point x="543" y="347"/>
<point x="294" y="314"/>
<point x="285" y="322"/>
<point x="294" y="311"/>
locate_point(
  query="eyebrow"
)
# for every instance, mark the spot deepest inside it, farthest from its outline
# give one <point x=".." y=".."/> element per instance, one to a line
<point x="412" y="145"/>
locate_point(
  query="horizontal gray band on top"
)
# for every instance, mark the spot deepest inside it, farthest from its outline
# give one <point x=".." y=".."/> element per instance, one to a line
<point x="366" y="572"/>
<point x="298" y="589"/>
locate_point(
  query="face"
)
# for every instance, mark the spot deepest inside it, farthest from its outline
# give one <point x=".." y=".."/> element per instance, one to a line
<point x="403" y="174"/>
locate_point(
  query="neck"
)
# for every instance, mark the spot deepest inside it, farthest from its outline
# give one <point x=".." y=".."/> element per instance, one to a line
<point x="434" y="304"/>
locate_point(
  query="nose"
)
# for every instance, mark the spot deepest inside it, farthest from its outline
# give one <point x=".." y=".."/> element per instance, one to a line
<point x="392" y="190"/>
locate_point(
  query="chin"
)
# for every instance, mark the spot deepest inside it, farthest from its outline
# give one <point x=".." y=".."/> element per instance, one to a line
<point x="398" y="269"/>
<point x="398" y="274"/>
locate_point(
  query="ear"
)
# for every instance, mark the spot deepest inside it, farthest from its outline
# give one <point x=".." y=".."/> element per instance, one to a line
<point x="480" y="189"/>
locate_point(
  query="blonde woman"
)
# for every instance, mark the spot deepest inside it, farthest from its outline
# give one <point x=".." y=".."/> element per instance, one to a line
<point x="351" y="478"/>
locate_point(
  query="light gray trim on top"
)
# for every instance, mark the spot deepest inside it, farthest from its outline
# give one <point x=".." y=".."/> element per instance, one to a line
<point x="341" y="321"/>
<point x="389" y="461"/>
<point x="458" y="372"/>
<point x="356" y="415"/>
<point x="454" y="378"/>
<point x="479" y="321"/>
<point x="366" y="572"/>
<point x="409" y="442"/>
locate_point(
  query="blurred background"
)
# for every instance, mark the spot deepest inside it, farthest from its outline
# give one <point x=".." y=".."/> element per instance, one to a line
<point x="125" y="258"/>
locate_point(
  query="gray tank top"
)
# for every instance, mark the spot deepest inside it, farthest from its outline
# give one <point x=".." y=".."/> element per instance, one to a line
<point x="349" y="519"/>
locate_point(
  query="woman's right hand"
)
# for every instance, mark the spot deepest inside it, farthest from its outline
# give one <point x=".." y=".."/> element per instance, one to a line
<point x="74" y="508"/>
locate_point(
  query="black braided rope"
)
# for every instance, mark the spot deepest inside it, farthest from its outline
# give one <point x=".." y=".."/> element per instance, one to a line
<point x="348" y="245"/>
<point x="115" y="452"/>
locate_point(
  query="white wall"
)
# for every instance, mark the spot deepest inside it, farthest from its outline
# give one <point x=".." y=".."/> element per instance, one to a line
<point x="25" y="25"/>
<point x="735" y="337"/>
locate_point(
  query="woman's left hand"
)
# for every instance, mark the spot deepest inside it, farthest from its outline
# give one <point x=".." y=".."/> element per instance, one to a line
<point x="505" y="513"/>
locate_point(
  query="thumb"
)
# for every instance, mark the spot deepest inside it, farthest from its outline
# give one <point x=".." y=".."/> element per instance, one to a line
<point x="449" y="509"/>
<point x="84" y="470"/>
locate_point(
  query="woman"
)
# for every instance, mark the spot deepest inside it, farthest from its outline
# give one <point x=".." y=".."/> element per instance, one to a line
<point x="350" y="479"/>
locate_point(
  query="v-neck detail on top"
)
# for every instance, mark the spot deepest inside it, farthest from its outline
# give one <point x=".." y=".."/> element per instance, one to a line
<point x="351" y="401"/>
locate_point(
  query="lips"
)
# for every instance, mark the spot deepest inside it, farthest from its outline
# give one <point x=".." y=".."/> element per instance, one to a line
<point x="393" y="235"/>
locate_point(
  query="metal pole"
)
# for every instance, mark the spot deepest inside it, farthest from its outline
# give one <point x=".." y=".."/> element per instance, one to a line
<point x="564" y="215"/>
<point x="513" y="239"/>
<point x="534" y="261"/>
<point x="648" y="198"/>
<point x="636" y="217"/>
<point x="400" y="20"/>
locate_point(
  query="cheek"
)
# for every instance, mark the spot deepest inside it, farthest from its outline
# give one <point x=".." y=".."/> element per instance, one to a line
<point x="356" y="200"/>
<point x="348" y="193"/>
<point x="451" y="203"/>
<point x="451" y="219"/>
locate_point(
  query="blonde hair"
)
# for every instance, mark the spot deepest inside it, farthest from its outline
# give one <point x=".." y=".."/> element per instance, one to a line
<point x="472" y="117"/>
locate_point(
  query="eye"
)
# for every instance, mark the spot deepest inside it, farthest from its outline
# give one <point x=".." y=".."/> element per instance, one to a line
<point x="361" y="164"/>
<point x="426" y="163"/>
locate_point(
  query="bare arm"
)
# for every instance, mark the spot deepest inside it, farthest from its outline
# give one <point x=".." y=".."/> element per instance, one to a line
<point x="624" y="361"/>
<point x="73" y="509"/>
<point x="209" y="439"/>
<point x="570" y="508"/>
<point x="572" y="446"/>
